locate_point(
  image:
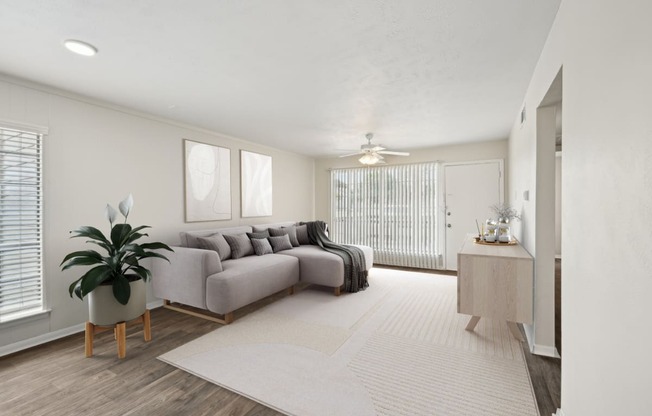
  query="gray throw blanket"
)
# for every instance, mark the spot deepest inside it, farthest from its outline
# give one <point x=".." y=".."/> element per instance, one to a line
<point x="355" y="275"/>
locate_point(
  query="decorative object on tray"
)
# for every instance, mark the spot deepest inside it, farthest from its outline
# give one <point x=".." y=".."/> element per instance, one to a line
<point x="504" y="214"/>
<point x="498" y="230"/>
<point x="256" y="184"/>
<point x="490" y="234"/>
<point x="511" y="242"/>
<point x="208" y="182"/>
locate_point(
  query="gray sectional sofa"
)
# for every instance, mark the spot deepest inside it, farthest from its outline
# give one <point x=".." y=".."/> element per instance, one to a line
<point x="197" y="277"/>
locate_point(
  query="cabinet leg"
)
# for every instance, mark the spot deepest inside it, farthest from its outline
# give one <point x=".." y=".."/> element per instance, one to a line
<point x="513" y="328"/>
<point x="472" y="323"/>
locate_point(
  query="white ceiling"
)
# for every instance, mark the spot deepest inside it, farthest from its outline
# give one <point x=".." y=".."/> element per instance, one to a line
<point x="310" y="76"/>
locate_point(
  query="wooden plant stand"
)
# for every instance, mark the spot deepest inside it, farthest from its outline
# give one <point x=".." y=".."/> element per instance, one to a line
<point x="119" y="333"/>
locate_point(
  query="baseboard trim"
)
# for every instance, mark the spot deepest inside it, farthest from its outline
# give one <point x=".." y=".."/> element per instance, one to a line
<point x="55" y="335"/>
<point x="529" y="335"/>
<point x="545" y="350"/>
<point x="40" y="339"/>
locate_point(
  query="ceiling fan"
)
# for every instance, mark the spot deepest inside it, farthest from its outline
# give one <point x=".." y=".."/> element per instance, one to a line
<point x="373" y="153"/>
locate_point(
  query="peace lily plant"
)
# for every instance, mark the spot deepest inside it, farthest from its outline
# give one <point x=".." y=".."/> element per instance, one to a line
<point x="121" y="264"/>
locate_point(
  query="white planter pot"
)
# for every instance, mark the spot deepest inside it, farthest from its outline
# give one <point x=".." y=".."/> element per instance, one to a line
<point x="105" y="310"/>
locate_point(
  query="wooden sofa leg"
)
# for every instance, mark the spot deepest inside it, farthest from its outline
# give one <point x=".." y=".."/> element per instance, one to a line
<point x="291" y="290"/>
<point x="228" y="317"/>
<point x="337" y="291"/>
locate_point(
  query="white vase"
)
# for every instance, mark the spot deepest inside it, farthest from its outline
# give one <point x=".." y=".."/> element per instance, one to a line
<point x="105" y="310"/>
<point x="504" y="232"/>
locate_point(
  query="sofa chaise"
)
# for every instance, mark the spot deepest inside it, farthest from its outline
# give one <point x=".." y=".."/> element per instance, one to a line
<point x="199" y="278"/>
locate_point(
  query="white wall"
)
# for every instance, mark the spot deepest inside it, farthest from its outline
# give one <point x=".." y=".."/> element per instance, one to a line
<point x="95" y="154"/>
<point x="605" y="49"/>
<point x="558" y="204"/>
<point x="497" y="149"/>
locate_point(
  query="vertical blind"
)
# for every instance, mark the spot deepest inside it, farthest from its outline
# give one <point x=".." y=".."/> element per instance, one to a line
<point x="20" y="222"/>
<point x="393" y="209"/>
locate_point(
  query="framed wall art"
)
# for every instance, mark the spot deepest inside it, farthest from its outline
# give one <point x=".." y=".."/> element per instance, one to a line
<point x="208" y="182"/>
<point x="255" y="184"/>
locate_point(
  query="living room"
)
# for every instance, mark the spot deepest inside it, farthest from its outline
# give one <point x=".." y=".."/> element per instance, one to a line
<point x="96" y="151"/>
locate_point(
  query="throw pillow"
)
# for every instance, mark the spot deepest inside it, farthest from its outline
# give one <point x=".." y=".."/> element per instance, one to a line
<point x="240" y="245"/>
<point x="302" y="234"/>
<point x="261" y="246"/>
<point x="280" y="243"/>
<point x="263" y="234"/>
<point x="289" y="231"/>
<point x="216" y="242"/>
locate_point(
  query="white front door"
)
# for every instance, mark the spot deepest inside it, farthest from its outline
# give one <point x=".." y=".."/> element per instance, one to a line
<point x="471" y="189"/>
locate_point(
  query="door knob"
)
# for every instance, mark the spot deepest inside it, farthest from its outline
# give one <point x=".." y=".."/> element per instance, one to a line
<point x="448" y="213"/>
<point x="449" y="226"/>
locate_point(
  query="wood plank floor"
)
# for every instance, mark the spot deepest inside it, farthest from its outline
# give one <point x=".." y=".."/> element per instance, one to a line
<point x="55" y="379"/>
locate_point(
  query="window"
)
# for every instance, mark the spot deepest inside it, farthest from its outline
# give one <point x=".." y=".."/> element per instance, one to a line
<point x="393" y="209"/>
<point x="20" y="223"/>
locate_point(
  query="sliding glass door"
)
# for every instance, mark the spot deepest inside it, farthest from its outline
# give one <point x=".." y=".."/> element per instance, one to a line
<point x="394" y="209"/>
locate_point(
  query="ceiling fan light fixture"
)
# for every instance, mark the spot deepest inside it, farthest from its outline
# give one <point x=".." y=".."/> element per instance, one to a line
<point x="79" y="47"/>
<point x="369" y="159"/>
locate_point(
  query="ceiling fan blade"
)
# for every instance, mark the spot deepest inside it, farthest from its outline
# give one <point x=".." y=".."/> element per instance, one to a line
<point x="389" y="152"/>
<point x="351" y="154"/>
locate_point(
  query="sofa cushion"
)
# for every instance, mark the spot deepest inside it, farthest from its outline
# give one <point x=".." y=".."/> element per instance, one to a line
<point x="280" y="243"/>
<point x="189" y="238"/>
<point x="262" y="234"/>
<point x="318" y="266"/>
<point x="290" y="231"/>
<point x="249" y="279"/>
<point x="302" y="235"/>
<point x="216" y="242"/>
<point x="261" y="246"/>
<point x="262" y="227"/>
<point x="240" y="245"/>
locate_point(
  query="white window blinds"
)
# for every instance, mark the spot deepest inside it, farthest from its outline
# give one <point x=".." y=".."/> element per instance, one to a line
<point x="393" y="209"/>
<point x="20" y="222"/>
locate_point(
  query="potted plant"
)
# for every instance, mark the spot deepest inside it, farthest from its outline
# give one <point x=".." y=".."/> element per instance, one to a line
<point x="115" y="284"/>
<point x="504" y="214"/>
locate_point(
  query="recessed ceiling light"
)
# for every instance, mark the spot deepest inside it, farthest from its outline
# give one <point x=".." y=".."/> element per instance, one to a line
<point x="79" y="47"/>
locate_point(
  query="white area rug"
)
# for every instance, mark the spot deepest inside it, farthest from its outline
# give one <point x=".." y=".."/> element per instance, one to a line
<point x="397" y="348"/>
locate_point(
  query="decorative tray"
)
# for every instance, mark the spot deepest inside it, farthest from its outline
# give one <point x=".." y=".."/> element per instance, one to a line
<point x="497" y="243"/>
